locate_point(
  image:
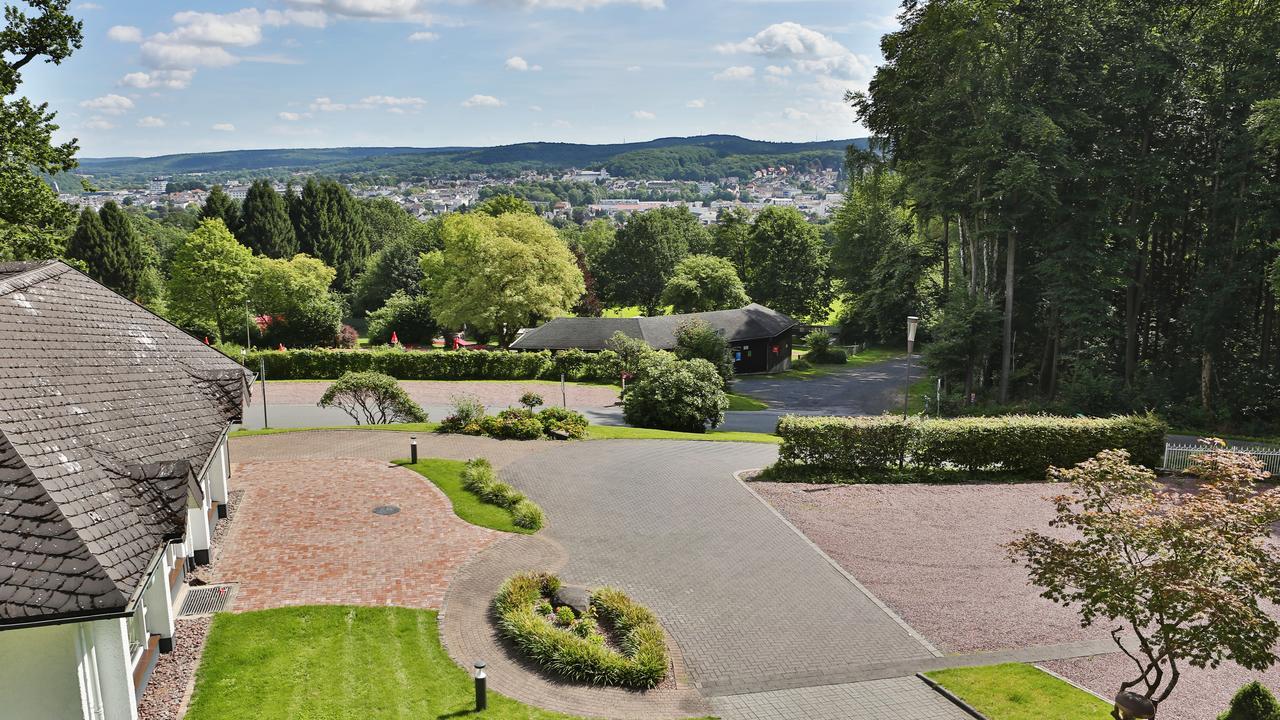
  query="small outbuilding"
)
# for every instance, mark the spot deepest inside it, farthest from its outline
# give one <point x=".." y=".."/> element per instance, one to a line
<point x="759" y="338"/>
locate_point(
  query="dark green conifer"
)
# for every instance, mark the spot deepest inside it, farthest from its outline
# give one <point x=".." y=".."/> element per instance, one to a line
<point x="265" y="226"/>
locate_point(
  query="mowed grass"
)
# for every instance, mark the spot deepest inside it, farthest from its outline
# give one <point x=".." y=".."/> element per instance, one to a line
<point x="1013" y="691"/>
<point x="447" y="475"/>
<point x="745" y="402"/>
<point x="337" y="663"/>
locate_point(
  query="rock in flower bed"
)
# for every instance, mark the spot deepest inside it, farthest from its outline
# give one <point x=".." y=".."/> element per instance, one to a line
<point x="615" y="641"/>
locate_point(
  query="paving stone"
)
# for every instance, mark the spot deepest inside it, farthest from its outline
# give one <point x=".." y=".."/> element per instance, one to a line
<point x="905" y="698"/>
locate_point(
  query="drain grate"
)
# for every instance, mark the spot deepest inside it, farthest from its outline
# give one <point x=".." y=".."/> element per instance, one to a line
<point x="386" y="510"/>
<point x="206" y="599"/>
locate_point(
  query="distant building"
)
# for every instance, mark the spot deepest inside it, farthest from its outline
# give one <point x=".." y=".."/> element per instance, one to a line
<point x="237" y="192"/>
<point x="157" y="186"/>
<point x="758" y="337"/>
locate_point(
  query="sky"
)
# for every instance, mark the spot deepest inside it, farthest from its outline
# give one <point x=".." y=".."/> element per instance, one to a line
<point x="163" y="76"/>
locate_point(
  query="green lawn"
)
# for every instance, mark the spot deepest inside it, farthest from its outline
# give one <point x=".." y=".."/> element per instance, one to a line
<point x="622" y="432"/>
<point x="1014" y="691"/>
<point x="745" y="402"/>
<point x="337" y="663"/>
<point x="447" y="475"/>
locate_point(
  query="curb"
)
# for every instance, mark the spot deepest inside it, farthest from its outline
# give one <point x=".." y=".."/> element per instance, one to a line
<point x="966" y="707"/>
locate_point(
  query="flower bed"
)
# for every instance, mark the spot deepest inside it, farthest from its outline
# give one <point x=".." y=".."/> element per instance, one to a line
<point x="469" y="418"/>
<point x="479" y="479"/>
<point x="615" y="642"/>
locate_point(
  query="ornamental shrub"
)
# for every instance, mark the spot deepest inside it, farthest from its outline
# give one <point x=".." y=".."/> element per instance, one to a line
<point x="527" y="514"/>
<point x="1252" y="702"/>
<point x="515" y="424"/>
<point x="697" y="339"/>
<point x="557" y="419"/>
<point x="671" y="394"/>
<point x="577" y="655"/>
<point x="479" y="479"/>
<point x="1025" y="444"/>
<point x="408" y="316"/>
<point x="821" y="351"/>
<point x="531" y="400"/>
<point x="372" y="398"/>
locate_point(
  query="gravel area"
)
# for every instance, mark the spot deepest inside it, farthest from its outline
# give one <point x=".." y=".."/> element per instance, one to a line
<point x="1200" y="694"/>
<point x="166" y="695"/>
<point x="440" y="392"/>
<point x="208" y="573"/>
<point x="934" y="553"/>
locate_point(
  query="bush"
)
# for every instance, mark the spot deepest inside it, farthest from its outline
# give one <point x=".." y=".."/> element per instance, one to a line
<point x="531" y="400"/>
<point x="697" y="339"/>
<point x="515" y="424"/>
<point x="557" y="419"/>
<point x="527" y="514"/>
<point x="408" y="316"/>
<point x="479" y="479"/>
<point x="467" y="411"/>
<point x="348" y="338"/>
<point x="820" y="350"/>
<point x="372" y="398"/>
<point x="1025" y="444"/>
<point x="671" y="394"/>
<point x="1252" y="702"/>
<point x="577" y="654"/>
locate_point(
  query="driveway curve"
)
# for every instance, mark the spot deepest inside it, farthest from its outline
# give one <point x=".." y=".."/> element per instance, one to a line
<point x="868" y="390"/>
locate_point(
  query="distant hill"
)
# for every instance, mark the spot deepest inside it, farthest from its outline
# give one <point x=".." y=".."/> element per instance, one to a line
<point x="704" y="157"/>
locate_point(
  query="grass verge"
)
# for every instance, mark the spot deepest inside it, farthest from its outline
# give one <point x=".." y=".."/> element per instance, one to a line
<point x="1013" y="691"/>
<point x="623" y="432"/>
<point x="447" y="475"/>
<point x="334" y="661"/>
<point x="745" y="402"/>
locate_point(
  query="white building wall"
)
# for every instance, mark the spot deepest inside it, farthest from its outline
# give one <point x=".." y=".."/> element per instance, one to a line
<point x="38" y="673"/>
<point x="218" y="473"/>
<point x="115" y="669"/>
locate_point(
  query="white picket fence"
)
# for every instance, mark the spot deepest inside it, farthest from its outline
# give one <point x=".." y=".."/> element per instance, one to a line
<point x="1178" y="457"/>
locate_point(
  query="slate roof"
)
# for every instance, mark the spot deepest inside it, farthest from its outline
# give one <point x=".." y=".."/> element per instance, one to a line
<point x="753" y="322"/>
<point x="107" y="412"/>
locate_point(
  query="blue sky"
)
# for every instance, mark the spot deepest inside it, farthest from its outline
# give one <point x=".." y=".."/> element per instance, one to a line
<point x="188" y="76"/>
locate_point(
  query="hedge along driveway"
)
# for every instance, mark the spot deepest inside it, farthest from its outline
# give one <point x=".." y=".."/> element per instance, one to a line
<point x="441" y="392"/>
<point x="437" y="364"/>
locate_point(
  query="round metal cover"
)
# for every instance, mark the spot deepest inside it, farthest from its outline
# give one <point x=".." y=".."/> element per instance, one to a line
<point x="386" y="510"/>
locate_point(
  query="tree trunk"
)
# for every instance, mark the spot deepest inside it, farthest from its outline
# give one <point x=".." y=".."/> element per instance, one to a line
<point x="1206" y="380"/>
<point x="946" y="257"/>
<point x="1006" y="364"/>
<point x="1132" y="310"/>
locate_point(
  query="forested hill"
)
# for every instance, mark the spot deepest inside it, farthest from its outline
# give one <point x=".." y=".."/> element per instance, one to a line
<point x="704" y="157"/>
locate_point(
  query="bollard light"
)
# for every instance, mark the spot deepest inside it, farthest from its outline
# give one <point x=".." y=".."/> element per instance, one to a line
<point x="413" y="449"/>
<point x="482" y="697"/>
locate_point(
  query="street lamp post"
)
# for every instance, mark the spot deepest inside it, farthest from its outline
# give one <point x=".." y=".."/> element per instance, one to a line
<point x="912" y="323"/>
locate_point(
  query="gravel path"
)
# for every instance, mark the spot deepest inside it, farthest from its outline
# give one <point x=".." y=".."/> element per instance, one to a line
<point x="162" y="700"/>
<point x="934" y="554"/>
<point x="440" y="392"/>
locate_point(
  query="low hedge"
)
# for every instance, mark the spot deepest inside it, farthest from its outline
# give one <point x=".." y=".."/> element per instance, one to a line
<point x="437" y="364"/>
<point x="479" y="479"/>
<point x="521" y="604"/>
<point x="1024" y="444"/>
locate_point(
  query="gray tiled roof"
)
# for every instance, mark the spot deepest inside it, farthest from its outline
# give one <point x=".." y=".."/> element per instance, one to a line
<point x="752" y="322"/>
<point x="106" y="414"/>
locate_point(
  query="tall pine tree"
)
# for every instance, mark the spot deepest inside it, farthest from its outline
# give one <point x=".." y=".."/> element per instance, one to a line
<point x="265" y="226"/>
<point x="219" y="205"/>
<point x="126" y="274"/>
<point x="331" y="227"/>
<point x="92" y="244"/>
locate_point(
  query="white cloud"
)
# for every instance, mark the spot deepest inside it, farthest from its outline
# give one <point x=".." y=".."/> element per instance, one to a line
<point x="324" y="104"/>
<point x="807" y="49"/>
<point x="223" y="127"/>
<point x="201" y="39"/>
<point x="423" y="36"/>
<point x="292" y="116"/>
<point x="392" y="10"/>
<point x="536" y="108"/>
<point x="642" y="115"/>
<point x="398" y="105"/>
<point x="110" y="104"/>
<point x="185" y="57"/>
<point x="737" y="72"/>
<point x="633" y="68"/>
<point x="151" y="121"/>
<point x="519" y="64"/>
<point x="481" y="101"/>
<point x="125" y="33"/>
<point x="778" y="70"/>
<point x="167" y="79"/>
<point x="99" y="123"/>
<point x="696" y="103"/>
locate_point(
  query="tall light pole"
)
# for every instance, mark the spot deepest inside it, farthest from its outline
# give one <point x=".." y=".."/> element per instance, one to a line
<point x="912" y="323"/>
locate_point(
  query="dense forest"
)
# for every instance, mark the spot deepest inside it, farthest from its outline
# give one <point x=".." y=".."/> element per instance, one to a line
<point x="706" y="157"/>
<point x="1082" y="199"/>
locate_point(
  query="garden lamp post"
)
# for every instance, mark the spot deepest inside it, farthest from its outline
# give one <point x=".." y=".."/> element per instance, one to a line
<point x="482" y="695"/>
<point x="912" y="323"/>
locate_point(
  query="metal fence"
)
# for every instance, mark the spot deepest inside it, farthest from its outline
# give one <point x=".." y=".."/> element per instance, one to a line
<point x="1178" y="457"/>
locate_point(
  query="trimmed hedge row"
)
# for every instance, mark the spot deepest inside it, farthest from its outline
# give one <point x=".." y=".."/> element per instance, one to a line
<point x="520" y="603"/>
<point x="437" y="364"/>
<point x="1017" y="443"/>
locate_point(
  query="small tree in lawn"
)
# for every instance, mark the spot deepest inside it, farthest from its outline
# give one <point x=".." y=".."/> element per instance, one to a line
<point x="373" y="399"/>
<point x="1181" y="573"/>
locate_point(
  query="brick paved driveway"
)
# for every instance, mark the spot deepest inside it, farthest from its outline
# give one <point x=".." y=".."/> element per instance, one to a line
<point x="305" y="533"/>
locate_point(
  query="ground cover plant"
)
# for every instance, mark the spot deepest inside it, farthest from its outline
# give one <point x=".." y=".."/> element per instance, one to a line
<point x="1014" y="691"/>
<point x="333" y="661"/>
<point x="373" y="399"/>
<point x="615" y="641"/>
<point x="448" y="476"/>
<point x="479" y="479"/>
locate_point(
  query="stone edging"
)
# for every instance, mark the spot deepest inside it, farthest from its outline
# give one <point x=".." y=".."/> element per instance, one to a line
<point x="966" y="707"/>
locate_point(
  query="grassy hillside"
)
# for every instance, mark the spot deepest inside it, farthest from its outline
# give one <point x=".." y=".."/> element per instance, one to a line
<point x="692" y="158"/>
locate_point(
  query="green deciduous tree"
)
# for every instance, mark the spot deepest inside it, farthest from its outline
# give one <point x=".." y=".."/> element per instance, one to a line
<point x="1181" y="575"/>
<point x="636" y="267"/>
<point x="372" y="398"/>
<point x="219" y="205"/>
<point x="503" y="204"/>
<point x="407" y="316"/>
<point x="499" y="274"/>
<point x="787" y="264"/>
<point x="697" y="339"/>
<point x="294" y="296"/>
<point x="33" y="223"/>
<point x="209" y="280"/>
<point x="704" y="282"/>
<point x="729" y="237"/>
<point x="265" y="226"/>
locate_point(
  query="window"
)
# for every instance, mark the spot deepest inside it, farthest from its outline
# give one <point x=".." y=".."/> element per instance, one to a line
<point x="137" y="625"/>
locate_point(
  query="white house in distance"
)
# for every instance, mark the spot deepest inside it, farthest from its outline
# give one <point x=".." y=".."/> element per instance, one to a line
<point x="113" y="469"/>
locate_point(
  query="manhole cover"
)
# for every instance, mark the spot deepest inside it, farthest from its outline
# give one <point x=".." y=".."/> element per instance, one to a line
<point x="206" y="599"/>
<point x="386" y="510"/>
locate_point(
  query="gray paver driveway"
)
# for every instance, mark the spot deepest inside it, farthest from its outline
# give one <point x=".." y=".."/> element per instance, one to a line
<point x="750" y="601"/>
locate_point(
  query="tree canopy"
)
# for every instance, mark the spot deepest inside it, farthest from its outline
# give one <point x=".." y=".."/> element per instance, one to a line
<point x="787" y="263"/>
<point x="210" y="280"/>
<point x="265" y="226"/>
<point x="635" y="269"/>
<point x="704" y="282"/>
